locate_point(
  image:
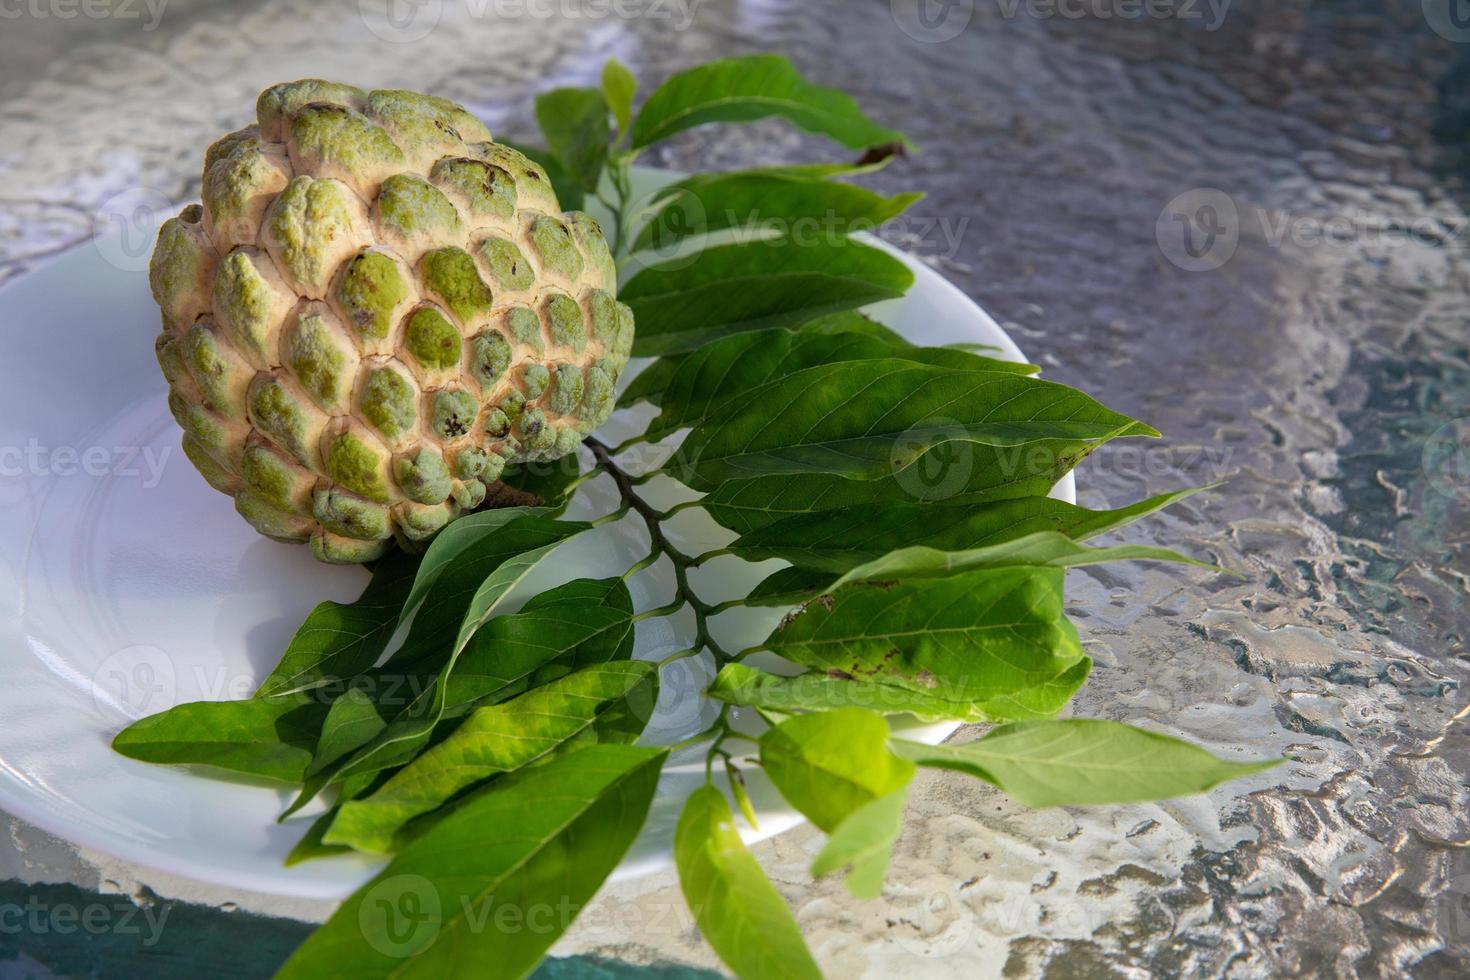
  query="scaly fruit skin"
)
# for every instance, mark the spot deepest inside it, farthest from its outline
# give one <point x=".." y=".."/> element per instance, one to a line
<point x="374" y="311"/>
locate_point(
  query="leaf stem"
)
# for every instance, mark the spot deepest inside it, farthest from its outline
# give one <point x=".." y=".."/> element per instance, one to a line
<point x="708" y="555"/>
<point x="611" y="518"/>
<point x="677" y="656"/>
<point x="657" y="611"/>
<point x="722" y="723"/>
<point x="653" y="519"/>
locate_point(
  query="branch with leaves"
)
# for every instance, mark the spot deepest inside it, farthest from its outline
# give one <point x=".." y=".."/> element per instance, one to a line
<point x="493" y="753"/>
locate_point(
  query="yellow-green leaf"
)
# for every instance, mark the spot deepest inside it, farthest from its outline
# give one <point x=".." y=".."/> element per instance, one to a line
<point x="739" y="911"/>
<point x="1082" y="761"/>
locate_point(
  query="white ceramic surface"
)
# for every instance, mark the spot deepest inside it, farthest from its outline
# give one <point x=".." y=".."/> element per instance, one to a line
<point x="128" y="585"/>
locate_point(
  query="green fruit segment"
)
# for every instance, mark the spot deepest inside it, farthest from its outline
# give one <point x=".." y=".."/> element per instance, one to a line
<point x="423" y="477"/>
<point x="412" y="206"/>
<point x="454" y="413"/>
<point x="372" y="288"/>
<point x="320" y="360"/>
<point x="488" y="190"/>
<point x="306" y="227"/>
<point x="490" y="358"/>
<point x="334" y="138"/>
<point x="281" y="416"/>
<point x="553" y="244"/>
<point x="564" y="320"/>
<point x="388" y="402"/>
<point x="356" y="465"/>
<point x="451" y="277"/>
<point x="432" y="340"/>
<point x="506" y="265"/>
<point x="566" y="390"/>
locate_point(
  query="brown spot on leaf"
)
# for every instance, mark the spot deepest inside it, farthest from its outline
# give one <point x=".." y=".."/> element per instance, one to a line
<point x="881" y="152"/>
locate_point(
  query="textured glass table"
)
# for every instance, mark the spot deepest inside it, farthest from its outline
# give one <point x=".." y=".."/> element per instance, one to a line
<point x="1244" y="222"/>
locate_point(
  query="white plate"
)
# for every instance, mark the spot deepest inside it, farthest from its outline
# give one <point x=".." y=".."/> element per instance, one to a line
<point x="128" y="585"/>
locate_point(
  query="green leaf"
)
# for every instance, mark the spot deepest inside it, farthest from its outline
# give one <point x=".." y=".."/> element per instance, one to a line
<point x="727" y="289"/>
<point x="569" y="193"/>
<point x="354" y="720"/>
<point x="840" y="540"/>
<point x="618" y="87"/>
<point x="816" y="171"/>
<point x="736" y="90"/>
<point x="465" y="596"/>
<point x="871" y="419"/>
<point x="339" y="640"/>
<point x="310" y="846"/>
<point x="494" y="740"/>
<point x="458" y="539"/>
<point x="850" y="322"/>
<point x="739" y="684"/>
<point x="739" y="911"/>
<point x="579" y="624"/>
<point x="552" y="480"/>
<point x="864" y="841"/>
<point x="1082" y="762"/>
<point x="574" y="123"/>
<point x="537" y="846"/>
<point x="975" y="637"/>
<point x="830" y="763"/>
<point x="268" y="737"/>
<point x="1039" y="701"/>
<point x="583" y="622"/>
<point x="765" y="203"/>
<point x="1047" y="549"/>
<point x="962" y="473"/>
<point x="454" y="606"/>
<point x="650" y="383"/>
<point x="729" y="368"/>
